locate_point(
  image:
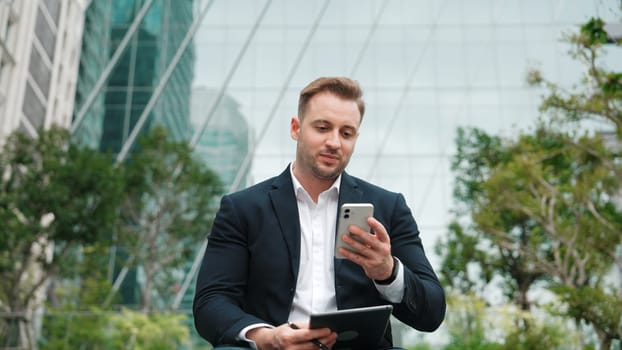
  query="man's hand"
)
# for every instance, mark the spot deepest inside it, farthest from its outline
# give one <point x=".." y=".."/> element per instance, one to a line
<point x="284" y="337"/>
<point x="371" y="252"/>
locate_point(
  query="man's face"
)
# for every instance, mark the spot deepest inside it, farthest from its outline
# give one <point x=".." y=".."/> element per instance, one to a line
<point x="326" y="136"/>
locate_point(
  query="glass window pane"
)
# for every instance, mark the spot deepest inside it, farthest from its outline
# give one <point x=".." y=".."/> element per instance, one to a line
<point x="32" y="107"/>
<point x="45" y="34"/>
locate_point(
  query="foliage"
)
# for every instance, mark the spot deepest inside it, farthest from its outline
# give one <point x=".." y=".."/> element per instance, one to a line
<point x="468" y="324"/>
<point x="98" y="330"/>
<point x="563" y="196"/>
<point x="140" y="331"/>
<point x="540" y="210"/>
<point x="474" y="325"/>
<point x="600" y="94"/>
<point x="54" y="197"/>
<point x="598" y="306"/>
<point x="169" y="202"/>
<point x="542" y="215"/>
<point x="532" y="334"/>
<point x="598" y="98"/>
<point x="73" y="318"/>
<point x="66" y="328"/>
<point x="166" y="205"/>
<point x="471" y="256"/>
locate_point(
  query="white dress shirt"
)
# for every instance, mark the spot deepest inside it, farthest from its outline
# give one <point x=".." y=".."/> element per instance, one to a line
<point x="315" y="288"/>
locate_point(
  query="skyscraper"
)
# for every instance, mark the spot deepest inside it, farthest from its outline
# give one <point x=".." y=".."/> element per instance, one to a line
<point x="134" y="77"/>
<point x="227" y="139"/>
<point x="127" y="49"/>
<point x="39" y="50"/>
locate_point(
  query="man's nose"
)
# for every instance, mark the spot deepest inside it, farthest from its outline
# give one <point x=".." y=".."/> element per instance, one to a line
<point x="333" y="139"/>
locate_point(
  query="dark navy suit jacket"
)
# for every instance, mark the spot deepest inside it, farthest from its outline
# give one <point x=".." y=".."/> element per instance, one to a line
<point x="250" y="268"/>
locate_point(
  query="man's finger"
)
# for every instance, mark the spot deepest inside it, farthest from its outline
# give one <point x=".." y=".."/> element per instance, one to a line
<point x="379" y="230"/>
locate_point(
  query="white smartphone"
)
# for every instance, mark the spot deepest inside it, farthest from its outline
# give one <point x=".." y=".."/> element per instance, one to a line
<point x="351" y="214"/>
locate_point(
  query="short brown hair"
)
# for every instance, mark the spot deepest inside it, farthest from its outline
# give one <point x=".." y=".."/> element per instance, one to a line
<point x="343" y="87"/>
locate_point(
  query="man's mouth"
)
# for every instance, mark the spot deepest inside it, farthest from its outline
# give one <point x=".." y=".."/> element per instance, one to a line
<point x="329" y="157"/>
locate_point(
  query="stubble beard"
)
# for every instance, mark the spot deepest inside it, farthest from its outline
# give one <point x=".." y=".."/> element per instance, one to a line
<point x="327" y="174"/>
<point x="316" y="168"/>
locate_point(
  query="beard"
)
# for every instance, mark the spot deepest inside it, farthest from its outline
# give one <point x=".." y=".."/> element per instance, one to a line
<point x="326" y="174"/>
<point x="317" y="168"/>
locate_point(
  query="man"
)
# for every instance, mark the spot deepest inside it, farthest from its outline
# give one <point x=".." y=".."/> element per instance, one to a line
<point x="270" y="256"/>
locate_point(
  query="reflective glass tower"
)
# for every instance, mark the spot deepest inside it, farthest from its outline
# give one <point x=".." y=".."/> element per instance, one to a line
<point x="132" y="80"/>
<point x="224" y="145"/>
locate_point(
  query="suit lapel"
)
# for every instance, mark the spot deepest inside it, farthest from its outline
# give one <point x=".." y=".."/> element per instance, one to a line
<point x="285" y="207"/>
<point x="349" y="191"/>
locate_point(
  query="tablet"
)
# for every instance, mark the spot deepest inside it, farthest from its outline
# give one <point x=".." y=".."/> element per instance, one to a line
<point x="360" y="328"/>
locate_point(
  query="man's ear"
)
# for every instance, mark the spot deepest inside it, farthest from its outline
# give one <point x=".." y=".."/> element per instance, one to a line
<point x="294" y="128"/>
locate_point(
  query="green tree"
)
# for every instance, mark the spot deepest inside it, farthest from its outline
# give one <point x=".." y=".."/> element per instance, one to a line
<point x="543" y="213"/>
<point x="54" y="197"/>
<point x="598" y="98"/>
<point x="471" y="256"/>
<point x="541" y="209"/>
<point x="169" y="202"/>
<point x="567" y="194"/>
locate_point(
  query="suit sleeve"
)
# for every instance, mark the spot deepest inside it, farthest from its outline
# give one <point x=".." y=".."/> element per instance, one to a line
<point x="217" y="306"/>
<point x="423" y="306"/>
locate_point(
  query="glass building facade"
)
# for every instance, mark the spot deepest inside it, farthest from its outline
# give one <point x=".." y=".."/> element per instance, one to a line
<point x="427" y="68"/>
<point x="224" y="144"/>
<point x="94" y="56"/>
<point x="134" y="78"/>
